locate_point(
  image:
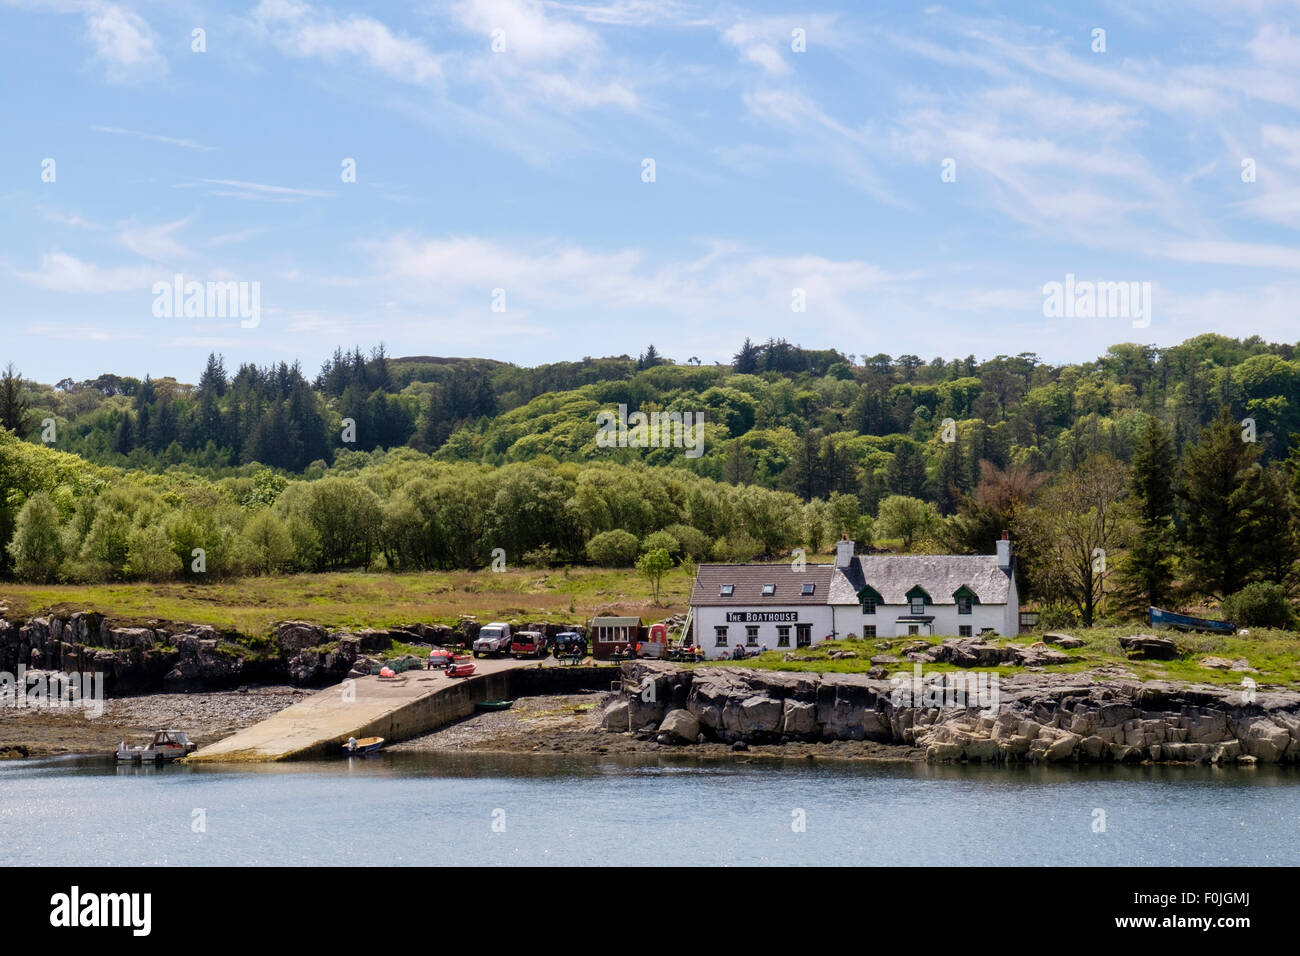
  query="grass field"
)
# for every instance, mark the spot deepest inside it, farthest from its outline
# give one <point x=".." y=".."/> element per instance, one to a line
<point x="252" y="606"/>
<point x="1274" y="654"/>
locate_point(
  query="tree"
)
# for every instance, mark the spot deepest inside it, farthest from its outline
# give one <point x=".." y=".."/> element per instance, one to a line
<point x="14" y="403"/>
<point x="737" y="464"/>
<point x="149" y="554"/>
<point x="999" y="498"/>
<point x="649" y="358"/>
<point x="1147" y="570"/>
<point x="270" y="543"/>
<point x="1260" y="604"/>
<point x="745" y="362"/>
<point x="1275" y="537"/>
<point x="906" y="471"/>
<point x="907" y="518"/>
<point x="1080" y="521"/>
<point x="1220" y="502"/>
<point x="37" y="548"/>
<point x="654" y="565"/>
<point x="613" y="549"/>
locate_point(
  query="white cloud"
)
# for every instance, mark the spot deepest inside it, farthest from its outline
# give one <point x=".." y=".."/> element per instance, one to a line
<point x="155" y="242"/>
<point x="756" y="46"/>
<point x="529" y="32"/>
<point x="170" y="140"/>
<point x="240" y="189"/>
<point x="303" y="31"/>
<point x="61" y="272"/>
<point x="122" y="39"/>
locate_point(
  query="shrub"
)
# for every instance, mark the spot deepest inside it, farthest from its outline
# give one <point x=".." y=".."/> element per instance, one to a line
<point x="691" y="541"/>
<point x="1261" y="604"/>
<point x="613" y="549"/>
<point x="660" y="540"/>
<point x="37" y="545"/>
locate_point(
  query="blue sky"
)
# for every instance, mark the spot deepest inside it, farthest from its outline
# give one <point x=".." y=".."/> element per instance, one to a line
<point x="522" y="169"/>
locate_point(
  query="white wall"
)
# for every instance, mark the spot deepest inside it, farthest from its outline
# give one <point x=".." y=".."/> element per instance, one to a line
<point x="947" y="622"/>
<point x="705" y="619"/>
<point x="845" y="620"/>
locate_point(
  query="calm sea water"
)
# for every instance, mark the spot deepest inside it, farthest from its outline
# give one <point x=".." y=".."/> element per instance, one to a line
<point x="400" y="809"/>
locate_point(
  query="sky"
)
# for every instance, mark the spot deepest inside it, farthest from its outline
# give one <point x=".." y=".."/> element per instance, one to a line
<point x="543" y="181"/>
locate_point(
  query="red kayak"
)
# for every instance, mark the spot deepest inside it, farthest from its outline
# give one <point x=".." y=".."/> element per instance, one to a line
<point x="461" y="670"/>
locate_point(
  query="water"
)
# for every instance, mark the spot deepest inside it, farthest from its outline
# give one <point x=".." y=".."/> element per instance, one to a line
<point x="399" y="809"/>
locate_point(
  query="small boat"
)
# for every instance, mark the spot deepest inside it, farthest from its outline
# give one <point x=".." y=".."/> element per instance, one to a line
<point x="167" y="745"/>
<point x="1184" y="622"/>
<point x="493" y="704"/>
<point x="366" y="745"/>
<point x="461" y="669"/>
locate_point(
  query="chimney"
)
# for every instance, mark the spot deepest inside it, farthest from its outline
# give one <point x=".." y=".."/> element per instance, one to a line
<point x="844" y="551"/>
<point x="1004" y="552"/>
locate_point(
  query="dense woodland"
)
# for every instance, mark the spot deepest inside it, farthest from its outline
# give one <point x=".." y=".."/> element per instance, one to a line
<point x="1166" y="476"/>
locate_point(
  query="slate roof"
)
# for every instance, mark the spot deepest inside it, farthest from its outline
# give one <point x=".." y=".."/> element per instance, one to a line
<point x="939" y="575"/>
<point x="750" y="578"/>
<point x="615" y="622"/>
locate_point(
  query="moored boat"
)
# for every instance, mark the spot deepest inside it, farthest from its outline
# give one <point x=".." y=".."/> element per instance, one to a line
<point x="493" y="704"/>
<point x="1185" y="622"/>
<point x="167" y="745"/>
<point x="366" y="745"/>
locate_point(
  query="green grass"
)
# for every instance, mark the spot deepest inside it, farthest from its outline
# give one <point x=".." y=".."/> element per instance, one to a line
<point x="253" y="606"/>
<point x="1275" y="654"/>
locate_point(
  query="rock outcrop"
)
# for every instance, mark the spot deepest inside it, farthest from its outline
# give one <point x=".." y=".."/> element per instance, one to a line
<point x="1037" y="717"/>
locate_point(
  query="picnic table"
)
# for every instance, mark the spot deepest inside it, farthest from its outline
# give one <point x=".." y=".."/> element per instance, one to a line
<point x="570" y="659"/>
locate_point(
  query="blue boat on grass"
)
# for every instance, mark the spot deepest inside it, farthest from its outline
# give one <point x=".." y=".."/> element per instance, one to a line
<point x="1184" y="622"/>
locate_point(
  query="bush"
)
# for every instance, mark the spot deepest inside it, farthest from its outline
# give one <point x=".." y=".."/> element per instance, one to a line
<point x="613" y="549"/>
<point x="543" y="557"/>
<point x="660" y="540"/>
<point x="270" y="542"/>
<point x="691" y="541"/>
<point x="149" y="554"/>
<point x="37" y="545"/>
<point x="1057" y="615"/>
<point x="1260" y="605"/>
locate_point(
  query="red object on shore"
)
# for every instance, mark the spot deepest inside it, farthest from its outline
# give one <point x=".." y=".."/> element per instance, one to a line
<point x="461" y="670"/>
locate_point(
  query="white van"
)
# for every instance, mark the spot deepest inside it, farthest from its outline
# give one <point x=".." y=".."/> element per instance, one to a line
<point x="493" y="638"/>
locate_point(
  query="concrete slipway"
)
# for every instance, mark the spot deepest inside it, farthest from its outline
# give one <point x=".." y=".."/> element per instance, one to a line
<point x="399" y="708"/>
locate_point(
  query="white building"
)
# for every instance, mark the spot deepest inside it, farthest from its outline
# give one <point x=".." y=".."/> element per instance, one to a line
<point x="778" y="606"/>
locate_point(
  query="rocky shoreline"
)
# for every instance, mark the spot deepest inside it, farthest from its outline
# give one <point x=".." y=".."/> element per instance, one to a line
<point x="206" y="717"/>
<point x="1038" y="717"/>
<point x="571" y="724"/>
<point x="211" y="685"/>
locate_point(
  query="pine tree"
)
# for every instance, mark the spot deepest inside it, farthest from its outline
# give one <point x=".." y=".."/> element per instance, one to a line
<point x="745" y="361"/>
<point x="1220" y="501"/>
<point x="14" y="403"/>
<point x="1148" y="570"/>
<point x="213" y="379"/>
<point x="124" y="440"/>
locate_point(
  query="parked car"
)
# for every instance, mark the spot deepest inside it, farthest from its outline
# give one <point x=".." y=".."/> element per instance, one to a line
<point x="528" y="643"/>
<point x="493" y="638"/>
<point x="570" y="642"/>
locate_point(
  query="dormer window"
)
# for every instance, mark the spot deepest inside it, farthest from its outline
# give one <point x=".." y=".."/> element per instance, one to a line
<point x="917" y="599"/>
<point x="727" y="590"/>
<point x="808" y="589"/>
<point x="963" y="604"/>
<point x="769" y="590"/>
